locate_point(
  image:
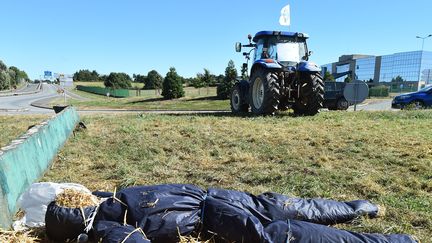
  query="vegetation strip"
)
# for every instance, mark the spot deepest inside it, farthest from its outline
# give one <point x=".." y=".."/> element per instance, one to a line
<point x="384" y="157"/>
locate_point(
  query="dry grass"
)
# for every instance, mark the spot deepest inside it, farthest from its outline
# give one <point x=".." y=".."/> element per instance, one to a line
<point x="385" y="157"/>
<point x="17" y="237"/>
<point x="12" y="127"/>
<point x="71" y="198"/>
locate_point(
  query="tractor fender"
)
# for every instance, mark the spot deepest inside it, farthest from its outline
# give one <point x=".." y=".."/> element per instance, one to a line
<point x="305" y="66"/>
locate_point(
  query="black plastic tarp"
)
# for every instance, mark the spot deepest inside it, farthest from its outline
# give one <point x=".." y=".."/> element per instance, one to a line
<point x="295" y="231"/>
<point x="164" y="212"/>
<point x="109" y="232"/>
<point x="320" y="211"/>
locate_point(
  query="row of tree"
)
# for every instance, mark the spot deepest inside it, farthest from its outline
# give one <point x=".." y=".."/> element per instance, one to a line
<point x="10" y="77"/>
<point x="171" y="85"/>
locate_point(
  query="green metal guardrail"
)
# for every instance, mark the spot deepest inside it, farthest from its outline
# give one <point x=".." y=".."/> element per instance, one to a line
<point x="117" y="93"/>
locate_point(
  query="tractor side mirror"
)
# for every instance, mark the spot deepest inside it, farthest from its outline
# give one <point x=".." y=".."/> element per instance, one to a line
<point x="310" y="53"/>
<point x="238" y="47"/>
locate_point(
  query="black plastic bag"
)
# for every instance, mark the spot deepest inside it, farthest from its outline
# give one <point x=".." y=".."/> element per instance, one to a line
<point x="229" y="221"/>
<point x="320" y="211"/>
<point x="162" y="211"/>
<point x="64" y="224"/>
<point x="114" y="232"/>
<point x="295" y="231"/>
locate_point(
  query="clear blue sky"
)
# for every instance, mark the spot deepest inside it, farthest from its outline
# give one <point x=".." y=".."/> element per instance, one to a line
<point x="135" y="36"/>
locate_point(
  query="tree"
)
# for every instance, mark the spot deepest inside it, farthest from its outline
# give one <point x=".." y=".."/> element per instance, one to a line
<point x="118" y="81"/>
<point x="4" y="80"/>
<point x="199" y="82"/>
<point x="13" y="78"/>
<point x="3" y="66"/>
<point x="328" y="76"/>
<point x="206" y="79"/>
<point x="224" y="88"/>
<point x="348" y="79"/>
<point x="103" y="78"/>
<point x="20" y="75"/>
<point x="138" y="78"/>
<point x="398" y="79"/>
<point x="172" y="85"/>
<point x="86" y="76"/>
<point x="154" y="81"/>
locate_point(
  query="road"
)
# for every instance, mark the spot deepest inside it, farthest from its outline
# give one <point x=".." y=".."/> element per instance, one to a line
<point x="374" y="105"/>
<point x="21" y="104"/>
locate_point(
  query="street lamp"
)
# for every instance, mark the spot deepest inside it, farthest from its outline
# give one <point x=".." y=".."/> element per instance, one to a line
<point x="423" y="39"/>
<point x="421" y="55"/>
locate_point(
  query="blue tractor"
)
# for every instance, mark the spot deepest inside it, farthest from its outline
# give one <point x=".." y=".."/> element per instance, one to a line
<point x="281" y="76"/>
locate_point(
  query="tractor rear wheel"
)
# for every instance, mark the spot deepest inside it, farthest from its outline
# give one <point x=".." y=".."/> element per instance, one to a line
<point x="264" y="92"/>
<point x="237" y="101"/>
<point x="311" y="95"/>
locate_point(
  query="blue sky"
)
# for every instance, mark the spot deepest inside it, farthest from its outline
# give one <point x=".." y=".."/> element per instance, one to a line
<point x="135" y="36"/>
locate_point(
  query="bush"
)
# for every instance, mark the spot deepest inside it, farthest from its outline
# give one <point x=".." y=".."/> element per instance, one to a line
<point x="5" y="80"/>
<point x="118" y="81"/>
<point x="379" y="91"/>
<point x="153" y="81"/>
<point x="172" y="85"/>
<point x="224" y="88"/>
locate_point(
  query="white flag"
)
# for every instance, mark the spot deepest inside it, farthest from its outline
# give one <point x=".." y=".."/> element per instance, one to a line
<point x="285" y="18"/>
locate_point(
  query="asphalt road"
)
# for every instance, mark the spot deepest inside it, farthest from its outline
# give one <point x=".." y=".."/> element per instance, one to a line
<point x="21" y="104"/>
<point x="374" y="105"/>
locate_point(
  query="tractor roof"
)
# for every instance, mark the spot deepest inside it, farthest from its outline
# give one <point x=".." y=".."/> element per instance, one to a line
<point x="263" y="34"/>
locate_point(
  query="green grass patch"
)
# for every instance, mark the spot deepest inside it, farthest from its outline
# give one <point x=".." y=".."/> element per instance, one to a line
<point x="195" y="99"/>
<point x="12" y="127"/>
<point x="385" y="157"/>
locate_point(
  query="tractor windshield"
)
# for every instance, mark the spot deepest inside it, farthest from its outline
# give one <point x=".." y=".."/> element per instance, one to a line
<point x="288" y="51"/>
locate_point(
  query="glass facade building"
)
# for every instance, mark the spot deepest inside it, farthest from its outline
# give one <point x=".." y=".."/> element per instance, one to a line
<point x="405" y="65"/>
<point x="327" y="68"/>
<point x="426" y="68"/>
<point x="365" y="69"/>
<point x="413" y="67"/>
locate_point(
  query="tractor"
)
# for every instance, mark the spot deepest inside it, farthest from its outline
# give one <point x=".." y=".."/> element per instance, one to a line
<point x="281" y="76"/>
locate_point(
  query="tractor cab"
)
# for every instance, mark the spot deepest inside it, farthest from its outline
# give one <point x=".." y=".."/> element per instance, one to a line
<point x="287" y="48"/>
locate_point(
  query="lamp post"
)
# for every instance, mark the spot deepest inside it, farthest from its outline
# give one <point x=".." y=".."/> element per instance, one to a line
<point x="423" y="40"/>
<point x="421" y="55"/>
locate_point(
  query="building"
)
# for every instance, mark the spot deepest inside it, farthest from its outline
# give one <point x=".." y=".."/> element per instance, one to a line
<point x="405" y="70"/>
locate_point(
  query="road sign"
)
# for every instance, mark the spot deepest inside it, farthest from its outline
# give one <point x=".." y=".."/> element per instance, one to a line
<point x="66" y="80"/>
<point x="356" y="92"/>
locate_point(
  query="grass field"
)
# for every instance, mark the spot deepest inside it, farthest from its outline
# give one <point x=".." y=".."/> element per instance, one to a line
<point x="384" y="157"/>
<point x="12" y="127"/>
<point x="203" y="99"/>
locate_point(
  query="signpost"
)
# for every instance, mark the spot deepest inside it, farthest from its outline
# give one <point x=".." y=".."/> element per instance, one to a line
<point x="356" y="92"/>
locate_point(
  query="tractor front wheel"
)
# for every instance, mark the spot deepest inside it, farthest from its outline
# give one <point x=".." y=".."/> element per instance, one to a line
<point x="237" y="101"/>
<point x="264" y="92"/>
<point x="311" y="95"/>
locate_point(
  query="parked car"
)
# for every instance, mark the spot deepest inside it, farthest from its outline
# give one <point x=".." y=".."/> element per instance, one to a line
<point x="416" y="100"/>
<point x="333" y="96"/>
